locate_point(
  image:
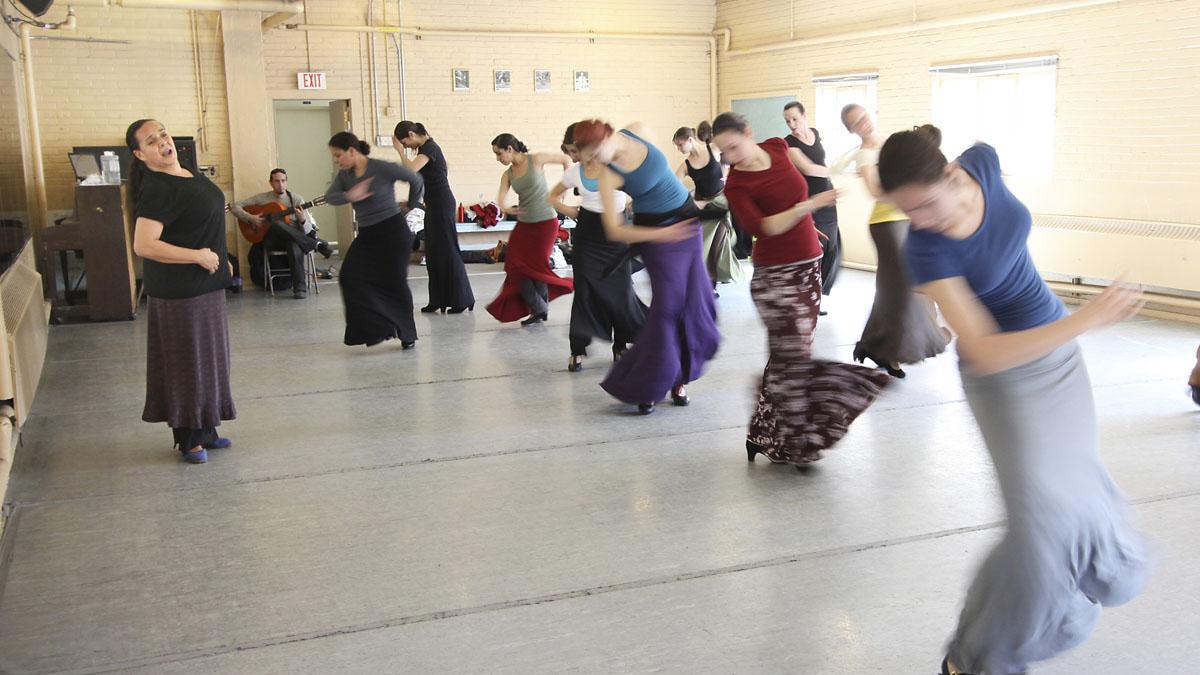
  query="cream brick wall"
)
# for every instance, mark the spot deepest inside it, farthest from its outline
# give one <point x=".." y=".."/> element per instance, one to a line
<point x="1128" y="121"/>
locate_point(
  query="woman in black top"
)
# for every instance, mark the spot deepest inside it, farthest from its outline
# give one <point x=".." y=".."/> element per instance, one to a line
<point x="703" y="166"/>
<point x="449" y="287"/>
<point x="808" y="141"/>
<point x="180" y="231"/>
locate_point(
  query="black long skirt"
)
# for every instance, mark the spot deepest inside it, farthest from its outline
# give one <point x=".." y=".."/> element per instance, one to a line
<point x="187" y="362"/>
<point x="374" y="283"/>
<point x="831" y="260"/>
<point x="605" y="305"/>
<point x="449" y="286"/>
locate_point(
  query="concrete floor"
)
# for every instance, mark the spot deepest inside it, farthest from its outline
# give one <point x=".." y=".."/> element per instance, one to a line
<point x="471" y="507"/>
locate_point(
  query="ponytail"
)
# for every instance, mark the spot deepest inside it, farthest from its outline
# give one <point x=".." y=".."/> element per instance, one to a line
<point x="137" y="168"/>
<point x="912" y="158"/>
<point x="509" y="141"/>
<point x="344" y="140"/>
<point x="406" y="127"/>
<point x="704" y="132"/>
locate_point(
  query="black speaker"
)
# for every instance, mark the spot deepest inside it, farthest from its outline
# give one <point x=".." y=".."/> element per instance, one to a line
<point x="38" y="7"/>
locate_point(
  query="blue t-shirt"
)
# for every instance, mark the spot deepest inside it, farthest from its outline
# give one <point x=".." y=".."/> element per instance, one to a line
<point x="995" y="259"/>
<point x="653" y="186"/>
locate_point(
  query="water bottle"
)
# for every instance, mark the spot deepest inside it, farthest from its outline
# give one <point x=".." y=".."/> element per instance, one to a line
<point x="110" y="168"/>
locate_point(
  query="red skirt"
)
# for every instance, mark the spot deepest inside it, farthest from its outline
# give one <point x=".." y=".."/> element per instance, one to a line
<point x="528" y="257"/>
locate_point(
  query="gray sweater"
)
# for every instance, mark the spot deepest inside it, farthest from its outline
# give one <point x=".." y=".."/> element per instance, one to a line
<point x="381" y="205"/>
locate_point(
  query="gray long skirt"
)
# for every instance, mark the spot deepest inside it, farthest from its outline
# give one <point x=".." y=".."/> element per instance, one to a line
<point x="902" y="326"/>
<point x="1068" y="549"/>
<point x="187" y="362"/>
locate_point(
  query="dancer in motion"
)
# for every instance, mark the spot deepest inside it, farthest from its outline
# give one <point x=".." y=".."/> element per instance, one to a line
<point x="1068" y="549"/>
<point x="703" y="166"/>
<point x="529" y="283"/>
<point x="807" y="140"/>
<point x="449" y="287"/>
<point x="374" y="275"/>
<point x="180" y="232"/>
<point x="902" y="327"/>
<point x="680" y="334"/>
<point x="1194" y="380"/>
<point x="805" y="405"/>
<point x="605" y="304"/>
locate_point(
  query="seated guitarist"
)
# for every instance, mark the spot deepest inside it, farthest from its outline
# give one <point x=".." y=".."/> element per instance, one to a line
<point x="297" y="237"/>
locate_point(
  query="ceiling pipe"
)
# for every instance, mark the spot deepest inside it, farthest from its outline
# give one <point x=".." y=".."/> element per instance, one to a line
<point x="291" y="7"/>
<point x="919" y="26"/>
<point x="397" y="40"/>
<point x="709" y="39"/>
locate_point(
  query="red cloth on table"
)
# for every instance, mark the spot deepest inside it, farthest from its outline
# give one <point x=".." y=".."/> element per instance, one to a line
<point x="486" y="215"/>
<point x="528" y="257"/>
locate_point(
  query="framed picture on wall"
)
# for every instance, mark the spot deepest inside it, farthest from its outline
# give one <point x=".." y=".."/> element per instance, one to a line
<point x="582" y="81"/>
<point x="462" y="79"/>
<point x="541" y="80"/>
<point x="503" y="80"/>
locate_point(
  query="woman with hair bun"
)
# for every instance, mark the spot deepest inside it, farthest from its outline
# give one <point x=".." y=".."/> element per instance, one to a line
<point x="530" y="284"/>
<point x="703" y="166"/>
<point x="680" y="334"/>
<point x="1068" y="549"/>
<point x="449" y="287"/>
<point x="374" y="274"/>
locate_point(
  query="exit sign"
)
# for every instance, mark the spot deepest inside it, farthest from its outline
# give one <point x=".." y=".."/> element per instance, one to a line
<point x="310" y="80"/>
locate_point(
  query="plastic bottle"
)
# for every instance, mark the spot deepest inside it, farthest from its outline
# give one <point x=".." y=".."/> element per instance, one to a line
<point x="110" y="167"/>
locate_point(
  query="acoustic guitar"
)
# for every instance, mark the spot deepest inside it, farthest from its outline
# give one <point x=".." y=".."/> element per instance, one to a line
<point x="271" y="213"/>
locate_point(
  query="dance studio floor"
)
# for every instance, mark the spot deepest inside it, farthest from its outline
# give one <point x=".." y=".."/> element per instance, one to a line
<point x="470" y="506"/>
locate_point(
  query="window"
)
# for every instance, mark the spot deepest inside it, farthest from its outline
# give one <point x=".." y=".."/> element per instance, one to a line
<point x="1007" y="104"/>
<point x="833" y="93"/>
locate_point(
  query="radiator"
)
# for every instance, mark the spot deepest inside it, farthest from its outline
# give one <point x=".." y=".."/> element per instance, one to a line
<point x="1161" y="255"/>
<point x="23" y="308"/>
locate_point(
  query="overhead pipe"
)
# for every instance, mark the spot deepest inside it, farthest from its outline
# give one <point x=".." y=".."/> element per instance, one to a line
<point x="708" y="38"/>
<point x="397" y="40"/>
<point x="290" y="7"/>
<point x="920" y="26"/>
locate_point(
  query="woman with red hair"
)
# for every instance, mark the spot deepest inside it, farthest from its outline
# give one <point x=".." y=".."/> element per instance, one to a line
<point x="680" y="334"/>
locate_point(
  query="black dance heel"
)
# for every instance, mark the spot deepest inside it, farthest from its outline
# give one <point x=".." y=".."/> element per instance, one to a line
<point x="406" y="345"/>
<point x="752" y="449"/>
<point x="861" y="353"/>
<point x="430" y="309"/>
<point x="618" y="352"/>
<point x="535" y="318"/>
<point x="1195" y="391"/>
<point x="575" y="364"/>
<point x="679" y="396"/>
<point x="460" y="310"/>
<point x="645" y="408"/>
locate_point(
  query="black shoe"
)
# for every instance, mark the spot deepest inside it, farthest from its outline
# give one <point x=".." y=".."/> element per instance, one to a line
<point x="430" y="309"/>
<point x="1195" y="390"/>
<point x="406" y="345"/>
<point x="752" y="449"/>
<point x="678" y="398"/>
<point x="535" y="318"/>
<point x="618" y="352"/>
<point x="300" y="293"/>
<point x="946" y="668"/>
<point x="575" y="364"/>
<point x="645" y="408"/>
<point x="460" y="310"/>
<point x="323" y="249"/>
<point x="860" y="354"/>
<point x="822" y="313"/>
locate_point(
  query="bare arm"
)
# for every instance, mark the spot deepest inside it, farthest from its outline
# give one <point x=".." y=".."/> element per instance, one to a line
<point x="681" y="170"/>
<point x="613" y="219"/>
<point x="502" y="196"/>
<point x="989" y="351"/>
<point x="541" y="159"/>
<point x="556" y="201"/>
<point x="148" y="243"/>
<point x="870" y="176"/>
<point x="782" y="222"/>
<point x="805" y="165"/>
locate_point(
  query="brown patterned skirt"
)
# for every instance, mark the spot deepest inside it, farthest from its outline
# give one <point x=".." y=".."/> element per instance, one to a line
<point x="804" y="405"/>
<point x="187" y="362"/>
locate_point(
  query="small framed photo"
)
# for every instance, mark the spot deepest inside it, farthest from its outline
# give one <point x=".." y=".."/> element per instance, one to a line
<point x="462" y="79"/>
<point x="503" y="80"/>
<point x="541" y="80"/>
<point x="582" y="81"/>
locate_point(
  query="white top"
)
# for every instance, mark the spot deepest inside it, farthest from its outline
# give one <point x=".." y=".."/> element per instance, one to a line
<point x="573" y="178"/>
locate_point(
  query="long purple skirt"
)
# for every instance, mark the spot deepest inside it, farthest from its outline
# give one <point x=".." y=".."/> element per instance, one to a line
<point x="187" y="362"/>
<point x="680" y="334"/>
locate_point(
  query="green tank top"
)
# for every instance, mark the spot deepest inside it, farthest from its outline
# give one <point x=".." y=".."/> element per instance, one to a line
<point x="532" y="194"/>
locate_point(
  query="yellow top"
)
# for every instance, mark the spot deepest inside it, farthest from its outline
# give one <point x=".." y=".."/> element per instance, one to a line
<point x="885" y="212"/>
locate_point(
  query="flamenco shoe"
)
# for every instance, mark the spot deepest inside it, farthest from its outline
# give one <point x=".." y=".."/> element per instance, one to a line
<point x="535" y="318"/>
<point x="679" y="396"/>
<point x="1194" y="390"/>
<point x="617" y="354"/>
<point x="645" y="408"/>
<point x="407" y="344"/>
<point x="460" y="310"/>
<point x="575" y="364"/>
<point x="430" y="309"/>
<point x="948" y="669"/>
<point x="860" y="354"/>
<point x="197" y="456"/>
<point x="219" y="444"/>
<point x="752" y="449"/>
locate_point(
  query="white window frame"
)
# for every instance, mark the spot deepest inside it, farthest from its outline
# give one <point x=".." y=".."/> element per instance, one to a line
<point x="1011" y="105"/>
<point x="833" y="92"/>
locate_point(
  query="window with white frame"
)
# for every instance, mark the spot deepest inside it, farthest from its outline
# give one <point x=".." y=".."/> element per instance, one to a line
<point x="834" y="93"/>
<point x="1009" y="105"/>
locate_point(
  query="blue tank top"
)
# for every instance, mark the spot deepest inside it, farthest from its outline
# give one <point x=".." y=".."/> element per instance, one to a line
<point x="994" y="260"/>
<point x="652" y="186"/>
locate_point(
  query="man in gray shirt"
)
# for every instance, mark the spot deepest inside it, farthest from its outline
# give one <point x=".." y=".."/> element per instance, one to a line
<point x="297" y="238"/>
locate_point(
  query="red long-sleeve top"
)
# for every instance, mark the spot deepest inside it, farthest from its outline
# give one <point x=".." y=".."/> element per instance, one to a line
<point x="754" y="195"/>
